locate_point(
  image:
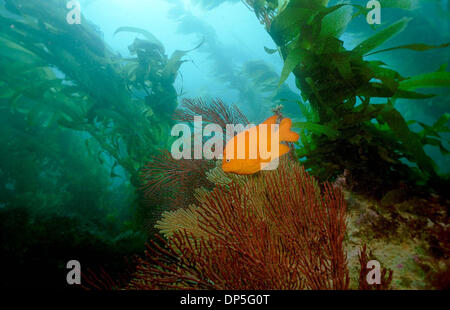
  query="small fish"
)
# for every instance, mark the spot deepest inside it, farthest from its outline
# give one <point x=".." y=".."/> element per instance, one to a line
<point x="252" y="164"/>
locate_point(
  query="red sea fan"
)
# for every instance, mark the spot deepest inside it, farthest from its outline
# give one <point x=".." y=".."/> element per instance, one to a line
<point x="278" y="230"/>
<point x="315" y="226"/>
<point x="385" y="277"/>
<point x="215" y="112"/>
<point x="177" y="179"/>
<point x="166" y="177"/>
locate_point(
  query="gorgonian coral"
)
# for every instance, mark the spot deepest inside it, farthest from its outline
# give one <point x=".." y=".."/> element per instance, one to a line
<point x="165" y="177"/>
<point x="385" y="276"/>
<point x="276" y="230"/>
<point x="215" y="112"/>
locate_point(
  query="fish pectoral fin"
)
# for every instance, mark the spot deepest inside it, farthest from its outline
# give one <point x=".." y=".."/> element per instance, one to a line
<point x="272" y="165"/>
<point x="283" y="149"/>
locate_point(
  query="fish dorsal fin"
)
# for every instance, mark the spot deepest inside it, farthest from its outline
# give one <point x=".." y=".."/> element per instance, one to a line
<point x="271" y="120"/>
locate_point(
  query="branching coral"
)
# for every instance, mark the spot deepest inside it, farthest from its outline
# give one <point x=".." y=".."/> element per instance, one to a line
<point x="218" y="177"/>
<point x="166" y="176"/>
<point x="385" y="277"/>
<point x="278" y="230"/>
<point x="213" y="112"/>
<point x="181" y="219"/>
<point x="176" y="179"/>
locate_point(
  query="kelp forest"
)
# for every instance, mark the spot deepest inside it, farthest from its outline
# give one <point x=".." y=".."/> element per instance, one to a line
<point x="87" y="168"/>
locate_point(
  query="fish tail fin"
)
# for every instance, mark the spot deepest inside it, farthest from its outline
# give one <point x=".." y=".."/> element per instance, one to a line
<point x="286" y="134"/>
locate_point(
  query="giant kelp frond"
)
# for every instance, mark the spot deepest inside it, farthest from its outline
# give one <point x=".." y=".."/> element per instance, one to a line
<point x="278" y="230"/>
<point x="69" y="74"/>
<point x="349" y="130"/>
<point x="224" y="65"/>
<point x="264" y="80"/>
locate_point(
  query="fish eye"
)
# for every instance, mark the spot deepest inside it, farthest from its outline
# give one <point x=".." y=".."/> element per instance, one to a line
<point x="228" y="160"/>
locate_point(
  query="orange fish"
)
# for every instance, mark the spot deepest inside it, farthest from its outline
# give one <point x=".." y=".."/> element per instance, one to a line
<point x="255" y="148"/>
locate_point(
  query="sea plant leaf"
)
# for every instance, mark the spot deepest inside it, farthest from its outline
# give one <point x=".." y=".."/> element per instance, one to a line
<point x="406" y="94"/>
<point x="316" y="128"/>
<point x="270" y="50"/>
<point x="149" y="36"/>
<point x="382" y="36"/>
<point x="433" y="79"/>
<point x="415" y="47"/>
<point x="441" y="123"/>
<point x="292" y="60"/>
<point x="174" y="63"/>
<point x="286" y="25"/>
<point x="409" y="139"/>
<point x="335" y="23"/>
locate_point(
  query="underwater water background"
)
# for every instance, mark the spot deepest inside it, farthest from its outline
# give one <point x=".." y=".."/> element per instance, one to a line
<point x="241" y="39"/>
<point x="77" y="124"/>
<point x="230" y="42"/>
